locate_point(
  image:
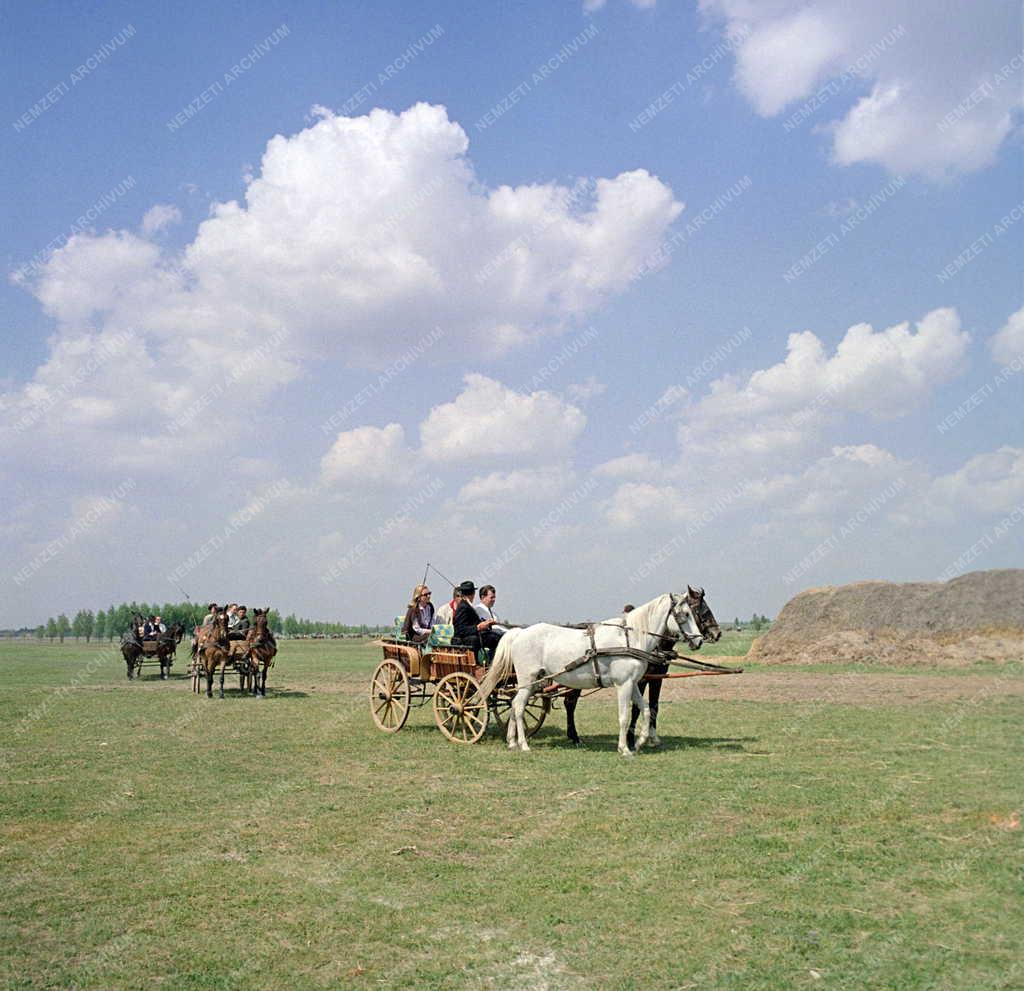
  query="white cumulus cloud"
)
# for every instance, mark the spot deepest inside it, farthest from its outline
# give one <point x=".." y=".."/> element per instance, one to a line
<point x="992" y="482"/>
<point x="496" y="491"/>
<point x="158" y="217"/>
<point x="357" y="238"/>
<point x="1008" y="344"/>
<point x="488" y="419"/>
<point x="883" y="374"/>
<point x="367" y="455"/>
<point x="931" y="94"/>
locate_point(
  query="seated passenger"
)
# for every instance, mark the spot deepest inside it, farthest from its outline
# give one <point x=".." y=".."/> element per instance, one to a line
<point x="446" y="614"/>
<point x="419" y="616"/>
<point x="485" y="608"/>
<point x="241" y="628"/>
<point x="470" y="629"/>
<point x="211" y="615"/>
<point x="149" y="628"/>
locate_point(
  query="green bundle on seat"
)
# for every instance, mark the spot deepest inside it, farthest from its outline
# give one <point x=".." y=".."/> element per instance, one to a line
<point x="441" y="635"/>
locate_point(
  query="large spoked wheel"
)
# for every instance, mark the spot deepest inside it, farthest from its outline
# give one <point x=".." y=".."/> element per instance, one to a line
<point x="460" y="712"/>
<point x="537" y="709"/>
<point x="389" y="696"/>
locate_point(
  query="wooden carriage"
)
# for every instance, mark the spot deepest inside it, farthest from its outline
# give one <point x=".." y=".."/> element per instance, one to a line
<point x="151" y="655"/>
<point x="238" y="660"/>
<point x="149" y="651"/>
<point x="449" y="677"/>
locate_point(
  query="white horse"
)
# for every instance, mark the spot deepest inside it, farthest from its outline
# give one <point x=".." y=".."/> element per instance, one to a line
<point x="544" y="651"/>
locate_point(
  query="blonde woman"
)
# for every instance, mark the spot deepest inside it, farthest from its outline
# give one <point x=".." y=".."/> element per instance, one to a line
<point x="419" y="617"/>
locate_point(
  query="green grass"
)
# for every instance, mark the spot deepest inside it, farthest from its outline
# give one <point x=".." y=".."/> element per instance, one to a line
<point x="153" y="839"/>
<point x="734" y="643"/>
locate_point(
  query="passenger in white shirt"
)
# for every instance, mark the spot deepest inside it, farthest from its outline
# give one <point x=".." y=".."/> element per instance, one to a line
<point x="485" y="607"/>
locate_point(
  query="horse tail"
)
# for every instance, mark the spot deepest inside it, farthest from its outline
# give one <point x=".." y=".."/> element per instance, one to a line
<point x="502" y="665"/>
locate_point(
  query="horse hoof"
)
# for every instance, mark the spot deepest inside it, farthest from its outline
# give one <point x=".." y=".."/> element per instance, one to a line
<point x="627" y="753"/>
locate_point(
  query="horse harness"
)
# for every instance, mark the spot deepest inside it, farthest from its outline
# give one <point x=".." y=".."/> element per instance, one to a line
<point x="594" y="652"/>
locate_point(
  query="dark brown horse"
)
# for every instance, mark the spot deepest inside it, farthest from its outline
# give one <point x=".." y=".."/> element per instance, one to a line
<point x="262" y="650"/>
<point x="131" y="646"/>
<point x="166" y="645"/>
<point x="213" y="651"/>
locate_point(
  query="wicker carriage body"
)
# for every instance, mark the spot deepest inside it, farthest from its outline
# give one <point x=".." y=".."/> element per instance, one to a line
<point x="433" y="665"/>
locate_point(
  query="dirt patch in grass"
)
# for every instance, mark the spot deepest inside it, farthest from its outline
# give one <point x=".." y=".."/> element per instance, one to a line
<point x="780" y="685"/>
<point x="855" y="688"/>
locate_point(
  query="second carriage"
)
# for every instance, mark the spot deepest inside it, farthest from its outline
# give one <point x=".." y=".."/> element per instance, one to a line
<point x="448" y="677"/>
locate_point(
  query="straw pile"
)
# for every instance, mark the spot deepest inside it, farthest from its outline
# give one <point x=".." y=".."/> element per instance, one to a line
<point x="976" y="617"/>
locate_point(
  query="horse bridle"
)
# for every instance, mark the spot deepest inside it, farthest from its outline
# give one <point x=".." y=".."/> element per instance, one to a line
<point x="677" y="614"/>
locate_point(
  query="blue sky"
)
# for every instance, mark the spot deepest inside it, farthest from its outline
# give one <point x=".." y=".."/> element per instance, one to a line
<point x="354" y="239"/>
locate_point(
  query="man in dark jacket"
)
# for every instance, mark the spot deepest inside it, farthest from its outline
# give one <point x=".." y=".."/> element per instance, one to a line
<point x="241" y="628"/>
<point x="470" y="629"/>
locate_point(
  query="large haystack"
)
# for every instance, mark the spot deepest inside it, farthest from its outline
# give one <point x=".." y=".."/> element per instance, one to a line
<point x="976" y="617"/>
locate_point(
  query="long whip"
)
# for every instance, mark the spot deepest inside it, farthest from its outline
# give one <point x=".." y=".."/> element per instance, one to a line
<point x="191" y="605"/>
<point x="430" y="567"/>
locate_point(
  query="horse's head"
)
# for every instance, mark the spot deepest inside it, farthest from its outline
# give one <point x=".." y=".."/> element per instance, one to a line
<point x="220" y="624"/>
<point x="709" y="627"/>
<point x="177" y="631"/>
<point x="692" y="618"/>
<point x="682" y="623"/>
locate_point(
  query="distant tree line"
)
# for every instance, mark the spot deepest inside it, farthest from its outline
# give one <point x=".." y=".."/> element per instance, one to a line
<point x="108" y="624"/>
<point x="754" y="623"/>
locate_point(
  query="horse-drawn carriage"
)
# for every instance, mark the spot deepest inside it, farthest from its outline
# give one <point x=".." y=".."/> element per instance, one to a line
<point x="250" y="657"/>
<point x="449" y="677"/>
<point x="238" y="660"/>
<point x="534" y="666"/>
<point x="159" y="650"/>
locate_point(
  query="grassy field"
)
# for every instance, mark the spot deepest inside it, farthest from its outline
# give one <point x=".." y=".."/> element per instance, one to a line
<point x="153" y="839"/>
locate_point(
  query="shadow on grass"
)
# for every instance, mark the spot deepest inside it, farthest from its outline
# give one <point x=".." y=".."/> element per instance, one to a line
<point x="237" y="694"/>
<point x="598" y="741"/>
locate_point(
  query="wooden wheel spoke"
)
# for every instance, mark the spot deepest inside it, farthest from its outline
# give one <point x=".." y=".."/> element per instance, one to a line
<point x="389" y="696"/>
<point x="458" y="714"/>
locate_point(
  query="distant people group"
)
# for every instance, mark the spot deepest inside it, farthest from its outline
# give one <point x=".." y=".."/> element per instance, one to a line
<point x="238" y="620"/>
<point x="475" y="624"/>
<point x="152" y="628"/>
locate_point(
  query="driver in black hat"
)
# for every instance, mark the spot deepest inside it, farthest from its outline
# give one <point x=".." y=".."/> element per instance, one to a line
<point x="470" y="629"/>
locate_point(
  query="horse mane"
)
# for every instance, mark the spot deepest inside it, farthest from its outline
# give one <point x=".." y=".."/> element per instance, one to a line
<point x="639" y="619"/>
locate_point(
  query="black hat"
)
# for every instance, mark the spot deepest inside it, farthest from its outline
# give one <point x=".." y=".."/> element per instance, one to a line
<point x="467" y="588"/>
